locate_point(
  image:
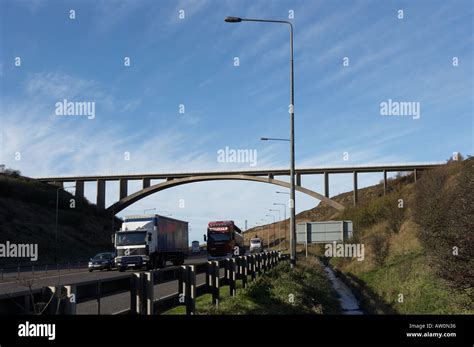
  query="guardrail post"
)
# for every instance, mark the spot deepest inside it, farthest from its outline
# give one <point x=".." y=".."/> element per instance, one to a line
<point x="191" y="290"/>
<point x="133" y="293"/>
<point x="238" y="265"/>
<point x="136" y="303"/>
<point x="227" y="269"/>
<point x="232" y="269"/>
<point x="149" y="292"/>
<point x="99" y="295"/>
<point x="70" y="299"/>
<point x="182" y="284"/>
<point x="244" y="268"/>
<point x="215" y="283"/>
<point x="209" y="277"/>
<point x="253" y="261"/>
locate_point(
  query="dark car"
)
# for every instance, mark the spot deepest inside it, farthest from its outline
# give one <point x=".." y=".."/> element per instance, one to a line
<point x="102" y="261"/>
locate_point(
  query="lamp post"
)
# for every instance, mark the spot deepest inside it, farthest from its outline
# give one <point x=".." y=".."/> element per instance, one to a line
<point x="56" y="222"/>
<point x="268" y="233"/>
<point x="292" y="130"/>
<point x="279" y="227"/>
<point x="270" y="215"/>
<point x="273" y="139"/>
<point x="284" y="206"/>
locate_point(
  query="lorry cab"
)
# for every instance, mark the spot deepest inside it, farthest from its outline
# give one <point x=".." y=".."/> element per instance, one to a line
<point x="256" y="245"/>
<point x="148" y="241"/>
<point x="224" y="240"/>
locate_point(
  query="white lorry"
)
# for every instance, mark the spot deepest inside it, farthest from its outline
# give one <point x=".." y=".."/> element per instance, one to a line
<point x="149" y="241"/>
<point x="256" y="245"/>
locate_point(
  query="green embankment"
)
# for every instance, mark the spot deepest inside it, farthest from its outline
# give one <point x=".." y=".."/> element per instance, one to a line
<point x="280" y="291"/>
<point x="408" y="267"/>
<point x="27" y="216"/>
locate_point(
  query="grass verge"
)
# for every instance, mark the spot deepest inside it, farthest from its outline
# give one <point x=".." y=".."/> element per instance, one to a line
<point x="304" y="290"/>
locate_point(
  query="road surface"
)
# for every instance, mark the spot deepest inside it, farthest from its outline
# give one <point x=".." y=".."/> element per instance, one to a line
<point x="108" y="305"/>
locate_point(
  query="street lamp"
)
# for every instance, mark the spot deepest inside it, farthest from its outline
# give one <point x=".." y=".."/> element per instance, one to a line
<point x="279" y="226"/>
<point x="268" y="233"/>
<point x="284" y="206"/>
<point x="292" y="130"/>
<point x="273" y="139"/>
<point x="56" y="222"/>
<point x="270" y="215"/>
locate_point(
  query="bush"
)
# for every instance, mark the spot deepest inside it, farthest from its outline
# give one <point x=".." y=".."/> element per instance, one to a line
<point x="379" y="246"/>
<point x="444" y="208"/>
<point x="372" y="212"/>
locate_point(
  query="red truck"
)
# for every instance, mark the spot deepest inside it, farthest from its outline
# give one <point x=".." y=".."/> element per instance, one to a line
<point x="224" y="240"/>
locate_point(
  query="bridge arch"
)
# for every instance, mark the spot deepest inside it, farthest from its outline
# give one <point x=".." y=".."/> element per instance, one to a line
<point x="132" y="198"/>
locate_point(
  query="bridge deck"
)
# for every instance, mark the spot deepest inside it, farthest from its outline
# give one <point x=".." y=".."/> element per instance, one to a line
<point x="259" y="172"/>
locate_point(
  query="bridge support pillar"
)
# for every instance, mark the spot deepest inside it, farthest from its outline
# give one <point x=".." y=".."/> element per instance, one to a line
<point x="145" y="183"/>
<point x="58" y="184"/>
<point x="298" y="179"/>
<point x="270" y="176"/>
<point x="355" y="188"/>
<point x="384" y="182"/>
<point x="123" y="182"/>
<point x="326" y="185"/>
<point x="100" y="194"/>
<point x="415" y="174"/>
<point x="79" y="193"/>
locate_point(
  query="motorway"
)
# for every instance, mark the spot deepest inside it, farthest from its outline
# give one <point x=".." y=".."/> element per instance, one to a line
<point x="108" y="305"/>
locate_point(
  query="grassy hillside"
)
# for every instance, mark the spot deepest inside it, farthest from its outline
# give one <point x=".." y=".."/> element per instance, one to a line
<point x="418" y="241"/>
<point x="323" y="211"/>
<point x="408" y="266"/>
<point x="27" y="215"/>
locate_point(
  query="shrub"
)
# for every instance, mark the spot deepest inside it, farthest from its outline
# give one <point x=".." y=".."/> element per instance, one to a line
<point x="379" y="246"/>
<point x="444" y="208"/>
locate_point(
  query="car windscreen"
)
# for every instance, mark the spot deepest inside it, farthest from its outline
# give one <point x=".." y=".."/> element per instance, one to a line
<point x="135" y="238"/>
<point x="255" y="242"/>
<point x="103" y="256"/>
<point x="216" y="237"/>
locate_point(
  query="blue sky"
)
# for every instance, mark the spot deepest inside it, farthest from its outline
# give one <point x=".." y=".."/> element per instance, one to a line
<point x="190" y="62"/>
